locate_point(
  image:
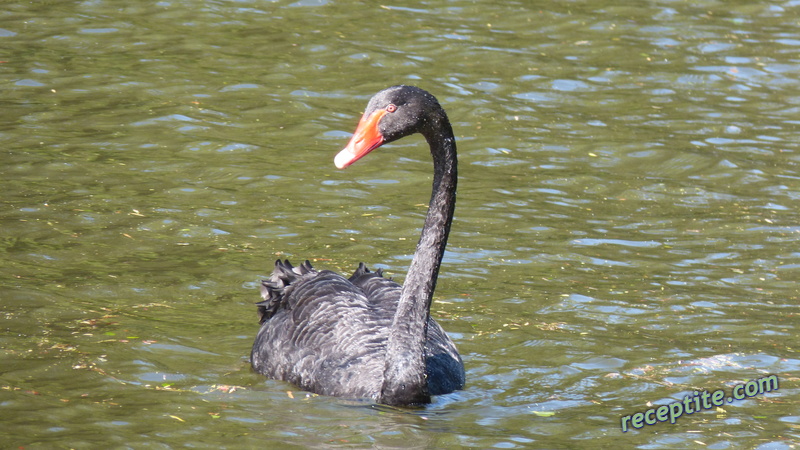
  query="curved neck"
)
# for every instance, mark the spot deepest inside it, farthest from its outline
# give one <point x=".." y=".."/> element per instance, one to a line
<point x="404" y="377"/>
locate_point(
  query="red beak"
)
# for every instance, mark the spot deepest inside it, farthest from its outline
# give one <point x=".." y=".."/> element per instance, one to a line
<point x="366" y="139"/>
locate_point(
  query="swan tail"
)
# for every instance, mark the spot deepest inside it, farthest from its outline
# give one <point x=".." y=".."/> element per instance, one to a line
<point x="273" y="290"/>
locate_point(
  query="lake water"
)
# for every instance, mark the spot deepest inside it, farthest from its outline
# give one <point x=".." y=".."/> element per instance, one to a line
<point x="626" y="230"/>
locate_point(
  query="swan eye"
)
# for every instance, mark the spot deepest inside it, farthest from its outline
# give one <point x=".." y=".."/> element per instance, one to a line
<point x="391" y="108"/>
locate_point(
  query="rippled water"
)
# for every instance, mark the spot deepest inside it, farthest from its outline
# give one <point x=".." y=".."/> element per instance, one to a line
<point x="626" y="230"/>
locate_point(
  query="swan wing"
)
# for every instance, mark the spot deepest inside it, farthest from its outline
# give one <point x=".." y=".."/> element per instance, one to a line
<point x="320" y="333"/>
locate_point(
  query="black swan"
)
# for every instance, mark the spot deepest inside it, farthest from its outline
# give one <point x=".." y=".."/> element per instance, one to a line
<point x="366" y="336"/>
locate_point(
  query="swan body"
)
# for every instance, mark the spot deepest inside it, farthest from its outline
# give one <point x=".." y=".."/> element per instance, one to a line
<point x="366" y="336"/>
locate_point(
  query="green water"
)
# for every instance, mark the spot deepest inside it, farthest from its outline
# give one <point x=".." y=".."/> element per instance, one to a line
<point x="626" y="229"/>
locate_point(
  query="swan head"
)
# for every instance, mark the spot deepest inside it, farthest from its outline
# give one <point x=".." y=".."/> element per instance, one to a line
<point x="391" y="114"/>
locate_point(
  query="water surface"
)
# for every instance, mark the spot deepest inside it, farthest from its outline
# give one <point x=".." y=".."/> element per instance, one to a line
<point x="626" y="230"/>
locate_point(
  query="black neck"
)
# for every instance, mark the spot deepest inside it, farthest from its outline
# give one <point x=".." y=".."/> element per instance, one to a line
<point x="404" y="376"/>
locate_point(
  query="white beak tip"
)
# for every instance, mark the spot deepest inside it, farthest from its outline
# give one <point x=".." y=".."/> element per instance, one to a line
<point x="343" y="159"/>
